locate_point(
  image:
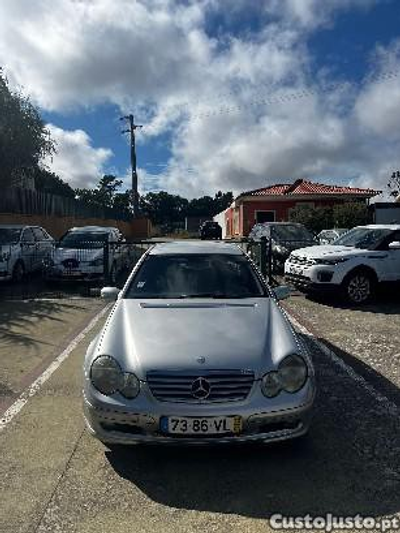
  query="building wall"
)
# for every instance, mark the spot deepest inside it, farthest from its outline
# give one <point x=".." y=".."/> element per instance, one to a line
<point x="386" y="213"/>
<point x="221" y="219"/>
<point x="57" y="226"/>
<point x="248" y="210"/>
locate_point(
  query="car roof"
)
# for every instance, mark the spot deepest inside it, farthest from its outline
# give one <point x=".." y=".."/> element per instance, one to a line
<point x="15" y="226"/>
<point x="279" y="224"/>
<point x="93" y="229"/>
<point x="393" y="227"/>
<point x="195" y="247"/>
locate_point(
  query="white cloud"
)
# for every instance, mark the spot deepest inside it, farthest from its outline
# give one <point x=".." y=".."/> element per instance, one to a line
<point x="77" y="162"/>
<point x="312" y="13"/>
<point x="158" y="58"/>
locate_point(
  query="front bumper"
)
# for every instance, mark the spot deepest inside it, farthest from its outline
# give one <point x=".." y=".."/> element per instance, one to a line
<point x="116" y="424"/>
<point x="86" y="274"/>
<point x="317" y="277"/>
<point x="305" y="284"/>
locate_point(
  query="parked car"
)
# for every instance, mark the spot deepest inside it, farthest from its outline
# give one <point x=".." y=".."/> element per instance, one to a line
<point x="79" y="255"/>
<point x="23" y="249"/>
<point x="285" y="237"/>
<point x="328" y="236"/>
<point x="355" y="264"/>
<point x="210" y="230"/>
<point x="196" y="350"/>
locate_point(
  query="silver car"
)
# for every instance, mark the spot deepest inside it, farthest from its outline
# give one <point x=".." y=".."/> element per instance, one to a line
<point x="79" y="255"/>
<point x="196" y="350"/>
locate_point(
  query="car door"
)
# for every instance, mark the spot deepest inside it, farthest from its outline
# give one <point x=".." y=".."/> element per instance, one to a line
<point x="43" y="246"/>
<point x="28" y="250"/>
<point x="393" y="260"/>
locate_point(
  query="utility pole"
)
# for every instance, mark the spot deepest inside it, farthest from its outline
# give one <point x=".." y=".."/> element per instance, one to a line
<point x="131" y="131"/>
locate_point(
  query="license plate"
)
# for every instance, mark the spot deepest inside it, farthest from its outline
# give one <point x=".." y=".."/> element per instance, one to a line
<point x="72" y="273"/>
<point x="216" y="425"/>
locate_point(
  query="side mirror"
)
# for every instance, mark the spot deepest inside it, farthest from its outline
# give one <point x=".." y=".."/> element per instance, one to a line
<point x="282" y="292"/>
<point x="395" y="245"/>
<point x="109" y="293"/>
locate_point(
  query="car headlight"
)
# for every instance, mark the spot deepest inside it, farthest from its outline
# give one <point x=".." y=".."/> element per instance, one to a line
<point x="96" y="262"/>
<point x="131" y="386"/>
<point x="271" y="384"/>
<point x="106" y="375"/>
<point x="292" y="373"/>
<point x="291" y="376"/>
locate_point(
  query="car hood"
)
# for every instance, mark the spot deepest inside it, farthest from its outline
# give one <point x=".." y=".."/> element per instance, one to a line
<point x="329" y="251"/>
<point x="82" y="254"/>
<point x="249" y="334"/>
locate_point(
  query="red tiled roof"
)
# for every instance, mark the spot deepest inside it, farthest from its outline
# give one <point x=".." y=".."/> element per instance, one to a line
<point x="305" y="187"/>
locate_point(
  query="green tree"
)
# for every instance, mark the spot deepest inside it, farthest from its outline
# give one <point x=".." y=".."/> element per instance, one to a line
<point x="24" y="140"/>
<point x="163" y="208"/>
<point x="314" y="218"/>
<point x="202" y="207"/>
<point x="222" y="201"/>
<point x="50" y="183"/>
<point x="103" y="195"/>
<point x="351" y="214"/>
<point x="394" y="184"/>
<point x="346" y="215"/>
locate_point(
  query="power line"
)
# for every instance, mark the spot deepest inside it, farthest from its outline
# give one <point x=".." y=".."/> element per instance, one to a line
<point x="282" y="98"/>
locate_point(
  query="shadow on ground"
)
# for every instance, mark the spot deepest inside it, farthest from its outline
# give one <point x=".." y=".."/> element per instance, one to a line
<point x="348" y="464"/>
<point x="17" y="318"/>
<point x="386" y="301"/>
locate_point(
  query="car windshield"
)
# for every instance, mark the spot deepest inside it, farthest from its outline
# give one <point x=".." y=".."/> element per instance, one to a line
<point x="9" y="235"/>
<point x="365" y="238"/>
<point x="196" y="276"/>
<point x="291" y="233"/>
<point x="87" y="239"/>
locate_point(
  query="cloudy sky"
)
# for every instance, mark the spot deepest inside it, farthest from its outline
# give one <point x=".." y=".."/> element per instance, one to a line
<point x="233" y="94"/>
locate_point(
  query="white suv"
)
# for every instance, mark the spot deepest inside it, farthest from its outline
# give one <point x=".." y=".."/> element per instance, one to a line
<point x="354" y="263"/>
<point x="23" y="249"/>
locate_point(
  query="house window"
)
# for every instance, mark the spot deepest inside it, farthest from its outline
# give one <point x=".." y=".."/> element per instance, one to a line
<point x="264" y="216"/>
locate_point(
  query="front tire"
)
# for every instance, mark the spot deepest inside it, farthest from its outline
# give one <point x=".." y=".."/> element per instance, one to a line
<point x="18" y="272"/>
<point x="359" y="287"/>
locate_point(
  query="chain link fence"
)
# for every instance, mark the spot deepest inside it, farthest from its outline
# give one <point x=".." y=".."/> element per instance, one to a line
<point x="34" y="271"/>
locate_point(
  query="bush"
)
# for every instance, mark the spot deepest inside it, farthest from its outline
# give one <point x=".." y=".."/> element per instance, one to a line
<point x="346" y="215"/>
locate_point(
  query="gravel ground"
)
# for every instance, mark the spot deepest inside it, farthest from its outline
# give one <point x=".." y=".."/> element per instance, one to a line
<point x="368" y="338"/>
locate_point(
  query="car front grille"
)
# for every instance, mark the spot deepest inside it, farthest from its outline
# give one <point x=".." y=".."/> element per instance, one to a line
<point x="200" y="387"/>
<point x="303" y="261"/>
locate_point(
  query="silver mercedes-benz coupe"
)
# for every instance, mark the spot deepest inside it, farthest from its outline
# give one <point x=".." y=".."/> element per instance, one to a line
<point x="197" y="350"/>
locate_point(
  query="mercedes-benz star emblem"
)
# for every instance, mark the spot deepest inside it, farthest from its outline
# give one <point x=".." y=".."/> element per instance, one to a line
<point x="201" y="389"/>
<point x="201" y="360"/>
